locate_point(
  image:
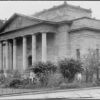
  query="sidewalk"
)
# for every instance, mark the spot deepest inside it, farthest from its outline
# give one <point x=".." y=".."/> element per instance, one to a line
<point x="93" y="93"/>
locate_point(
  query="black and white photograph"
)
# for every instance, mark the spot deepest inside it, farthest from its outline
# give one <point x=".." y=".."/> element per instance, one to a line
<point x="49" y="50"/>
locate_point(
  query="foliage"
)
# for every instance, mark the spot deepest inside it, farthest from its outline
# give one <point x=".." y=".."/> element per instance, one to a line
<point x="91" y="64"/>
<point x="54" y="80"/>
<point x="2" y="78"/>
<point x="70" y="85"/>
<point x="69" y="67"/>
<point x="16" y="74"/>
<point x="91" y="60"/>
<point x="44" y="67"/>
<point x="11" y="79"/>
<point x="42" y="70"/>
<point x="15" y="83"/>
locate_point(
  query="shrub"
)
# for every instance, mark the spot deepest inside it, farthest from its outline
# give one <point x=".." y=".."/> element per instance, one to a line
<point x="41" y="67"/>
<point x="2" y="78"/>
<point x="42" y="70"/>
<point x="69" y="67"/>
<point x="12" y="78"/>
<point x="15" y="83"/>
<point x="54" y="80"/>
<point x="91" y="62"/>
<point x="16" y="74"/>
<point x="69" y="85"/>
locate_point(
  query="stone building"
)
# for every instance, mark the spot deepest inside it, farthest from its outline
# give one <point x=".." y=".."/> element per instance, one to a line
<point x="52" y="34"/>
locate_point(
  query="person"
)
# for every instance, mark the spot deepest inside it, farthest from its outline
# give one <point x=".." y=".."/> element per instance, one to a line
<point x="79" y="76"/>
<point x="32" y="76"/>
<point x="5" y="74"/>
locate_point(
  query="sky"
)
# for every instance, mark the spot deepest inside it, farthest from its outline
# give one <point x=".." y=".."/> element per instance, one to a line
<point x="8" y="8"/>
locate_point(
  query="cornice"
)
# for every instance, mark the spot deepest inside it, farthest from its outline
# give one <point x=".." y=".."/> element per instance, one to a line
<point x="84" y="28"/>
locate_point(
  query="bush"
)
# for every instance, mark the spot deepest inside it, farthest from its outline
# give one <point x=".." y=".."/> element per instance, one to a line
<point x="16" y="74"/>
<point x="41" y="67"/>
<point x="91" y="63"/>
<point x="54" y="80"/>
<point x="13" y="78"/>
<point x="69" y="85"/>
<point x="2" y="78"/>
<point x="42" y="70"/>
<point x="69" y="68"/>
<point x="15" y="83"/>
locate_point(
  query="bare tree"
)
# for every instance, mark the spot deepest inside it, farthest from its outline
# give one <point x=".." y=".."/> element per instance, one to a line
<point x="91" y="64"/>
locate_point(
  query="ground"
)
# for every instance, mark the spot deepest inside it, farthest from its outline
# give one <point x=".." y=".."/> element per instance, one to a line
<point x="86" y="93"/>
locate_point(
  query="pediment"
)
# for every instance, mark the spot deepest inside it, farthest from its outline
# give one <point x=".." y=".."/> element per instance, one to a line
<point x="19" y="22"/>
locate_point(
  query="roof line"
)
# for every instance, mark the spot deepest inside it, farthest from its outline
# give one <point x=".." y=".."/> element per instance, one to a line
<point x="17" y="14"/>
<point x="85" y="17"/>
<point x="30" y="17"/>
<point x="58" y="6"/>
<point x="84" y="28"/>
<point x="25" y="27"/>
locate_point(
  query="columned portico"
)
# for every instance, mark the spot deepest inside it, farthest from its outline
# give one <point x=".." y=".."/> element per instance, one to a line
<point x="33" y="49"/>
<point x="24" y="53"/>
<point x="44" y="47"/>
<point x="14" y="54"/>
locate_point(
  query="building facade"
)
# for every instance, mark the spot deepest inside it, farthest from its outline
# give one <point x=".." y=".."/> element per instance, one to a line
<point x="59" y="32"/>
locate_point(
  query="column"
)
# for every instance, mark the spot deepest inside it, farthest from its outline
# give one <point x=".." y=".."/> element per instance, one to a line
<point x="33" y="49"/>
<point x="10" y="55"/>
<point x="3" y="47"/>
<point x="14" y="54"/>
<point x="24" y="53"/>
<point x="7" y="58"/>
<point x="44" y="47"/>
<point x="1" y="56"/>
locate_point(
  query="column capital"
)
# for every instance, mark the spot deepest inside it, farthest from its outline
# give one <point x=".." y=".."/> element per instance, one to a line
<point x="44" y="32"/>
<point x="24" y="36"/>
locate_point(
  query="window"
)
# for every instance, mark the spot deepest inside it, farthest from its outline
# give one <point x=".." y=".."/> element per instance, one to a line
<point x="97" y="53"/>
<point x="30" y="61"/>
<point x="78" y="53"/>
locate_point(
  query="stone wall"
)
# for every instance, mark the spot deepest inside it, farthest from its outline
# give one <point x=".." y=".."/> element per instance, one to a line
<point x="86" y="22"/>
<point x="51" y="47"/>
<point x="62" y="42"/>
<point x="84" y="40"/>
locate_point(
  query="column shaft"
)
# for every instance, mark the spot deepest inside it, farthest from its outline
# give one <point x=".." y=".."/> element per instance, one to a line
<point x="1" y="56"/>
<point x="7" y="53"/>
<point x="14" y="54"/>
<point x="24" y="53"/>
<point x="10" y="55"/>
<point x="3" y="47"/>
<point x="44" y="47"/>
<point x="33" y="49"/>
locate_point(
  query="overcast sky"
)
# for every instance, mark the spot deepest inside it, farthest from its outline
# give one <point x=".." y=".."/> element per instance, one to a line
<point x="7" y="8"/>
